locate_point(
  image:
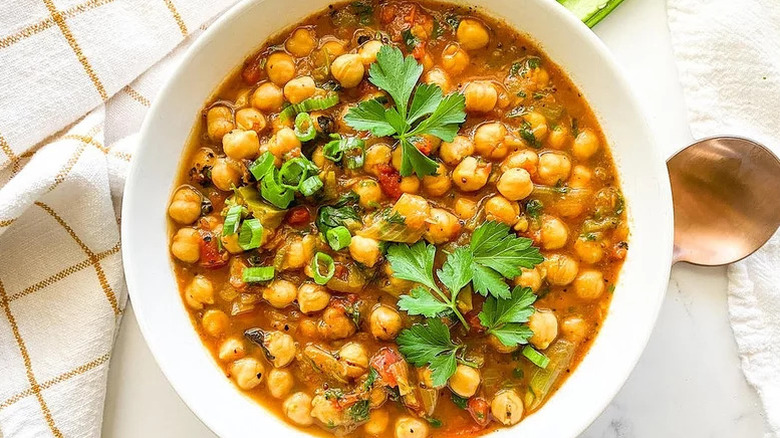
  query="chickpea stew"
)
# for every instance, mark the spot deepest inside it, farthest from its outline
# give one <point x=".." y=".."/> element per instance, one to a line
<point x="398" y="219"/>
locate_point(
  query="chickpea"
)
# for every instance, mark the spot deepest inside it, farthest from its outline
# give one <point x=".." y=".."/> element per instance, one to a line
<point x="525" y="159"/>
<point x="580" y="177"/>
<point x="355" y="359"/>
<point x="471" y="174"/>
<point x="377" y="422"/>
<point x="327" y="411"/>
<point x="280" y="382"/>
<point x="280" y="293"/>
<point x="299" y="252"/>
<point x="219" y="121"/>
<point x="553" y="168"/>
<point x="414" y="209"/>
<point x="515" y="184"/>
<point x="454" y="59"/>
<point x="281" y="347"/>
<point x="561" y="269"/>
<point x="465" y="208"/>
<point x="185" y="206"/>
<point x="489" y="141"/>
<point x="465" y="381"/>
<point x="439" y="183"/>
<point x="439" y="77"/>
<point x="589" y="285"/>
<point x="368" y="51"/>
<point x="453" y="152"/>
<point x="538" y="124"/>
<point x="589" y="251"/>
<point x="225" y="174"/>
<point x="312" y="298"/>
<point x="268" y="97"/>
<point x="284" y="141"/>
<point x="334" y="324"/>
<point x="410" y="184"/>
<point x="247" y="372"/>
<point x="544" y="324"/>
<point x="215" y="322"/>
<point x="297" y="407"/>
<point x="397" y="158"/>
<point x="559" y="137"/>
<point x="585" y="144"/>
<point x="554" y="234"/>
<point x="241" y="145"/>
<point x="301" y="42"/>
<point x="348" y="69"/>
<point x="409" y="427"/>
<point x="377" y="155"/>
<point x="299" y="89"/>
<point x="500" y="209"/>
<point x="364" y="250"/>
<point x="250" y="119"/>
<point x="506" y="407"/>
<point x="443" y="226"/>
<point x="385" y="323"/>
<point x="529" y="278"/>
<point x="472" y="34"/>
<point x="280" y="68"/>
<point x="574" y="328"/>
<point x="369" y="192"/>
<point x="231" y="349"/>
<point x="186" y="245"/>
<point x="481" y="96"/>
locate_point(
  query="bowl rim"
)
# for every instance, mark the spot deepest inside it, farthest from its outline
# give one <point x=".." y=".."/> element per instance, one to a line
<point x="579" y="31"/>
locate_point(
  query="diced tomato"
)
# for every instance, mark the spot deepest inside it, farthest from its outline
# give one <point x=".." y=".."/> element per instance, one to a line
<point x="210" y="256"/>
<point x="387" y="13"/>
<point x="423" y="145"/>
<point x="298" y="216"/>
<point x="472" y="318"/>
<point x="419" y="51"/>
<point x="341" y="272"/>
<point x="389" y="180"/>
<point x="381" y="362"/>
<point x="251" y="72"/>
<point x="479" y="409"/>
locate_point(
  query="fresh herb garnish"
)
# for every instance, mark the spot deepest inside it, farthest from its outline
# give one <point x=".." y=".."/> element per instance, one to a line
<point x="430" y="344"/>
<point x="534" y="208"/>
<point x="499" y="253"/>
<point x="410" y="40"/>
<point x="459" y="401"/>
<point x="372" y="376"/>
<point x="430" y="112"/>
<point x="527" y="134"/>
<point x="435" y="422"/>
<point x="359" y="412"/>
<point x="364" y="12"/>
<point x="506" y="318"/>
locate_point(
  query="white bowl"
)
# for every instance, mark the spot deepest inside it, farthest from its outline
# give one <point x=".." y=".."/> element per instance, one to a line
<point x="164" y="320"/>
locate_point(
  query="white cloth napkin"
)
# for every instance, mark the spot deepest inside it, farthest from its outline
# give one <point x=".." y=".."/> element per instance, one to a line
<point x="728" y="57"/>
<point x="62" y="291"/>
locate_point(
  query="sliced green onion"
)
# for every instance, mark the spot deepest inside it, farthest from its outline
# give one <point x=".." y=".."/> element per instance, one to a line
<point x="262" y="165"/>
<point x="232" y="219"/>
<point x="311" y="185"/>
<point x="255" y="274"/>
<point x="338" y="237"/>
<point x="354" y="147"/>
<point x="310" y="104"/>
<point x="292" y="173"/>
<point x="251" y="234"/>
<point x="274" y="193"/>
<point x="304" y="127"/>
<point x="330" y="268"/>
<point x="536" y="357"/>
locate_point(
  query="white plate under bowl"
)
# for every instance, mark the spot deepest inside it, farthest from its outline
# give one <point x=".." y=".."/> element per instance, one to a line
<point x="164" y="320"/>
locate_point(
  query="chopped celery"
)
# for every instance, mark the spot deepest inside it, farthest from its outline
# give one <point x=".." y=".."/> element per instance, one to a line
<point x="590" y="11"/>
<point x="542" y="380"/>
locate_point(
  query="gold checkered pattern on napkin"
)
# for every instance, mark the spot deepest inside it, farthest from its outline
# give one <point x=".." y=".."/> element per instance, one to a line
<point x="76" y="77"/>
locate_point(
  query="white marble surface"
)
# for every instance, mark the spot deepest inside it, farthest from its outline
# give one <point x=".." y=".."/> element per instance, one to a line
<point x="688" y="382"/>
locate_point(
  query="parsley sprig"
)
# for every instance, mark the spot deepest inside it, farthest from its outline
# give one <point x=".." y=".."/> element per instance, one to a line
<point x="430" y="112"/>
<point x="505" y="319"/>
<point x="430" y="344"/>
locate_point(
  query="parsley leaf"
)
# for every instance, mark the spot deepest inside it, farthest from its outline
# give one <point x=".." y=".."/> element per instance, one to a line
<point x="434" y="113"/>
<point x="359" y="411"/>
<point x="456" y="273"/>
<point x="430" y="344"/>
<point x="497" y="252"/>
<point x="421" y="302"/>
<point x="506" y="318"/>
<point x="413" y="263"/>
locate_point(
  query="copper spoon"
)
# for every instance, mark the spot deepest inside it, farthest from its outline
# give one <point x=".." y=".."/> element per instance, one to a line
<point x="726" y="196"/>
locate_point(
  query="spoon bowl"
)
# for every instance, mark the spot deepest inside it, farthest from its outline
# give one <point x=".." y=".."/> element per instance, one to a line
<point x="726" y="196"/>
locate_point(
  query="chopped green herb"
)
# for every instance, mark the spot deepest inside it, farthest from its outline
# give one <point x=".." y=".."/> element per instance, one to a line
<point x="434" y="422"/>
<point x="459" y="401"/>
<point x="359" y="412"/>
<point x="534" y="208"/>
<point x="364" y="12"/>
<point x="522" y="94"/>
<point x="333" y="394"/>
<point x="506" y="318"/>
<point x="372" y="376"/>
<point x="537" y="95"/>
<point x="410" y="40"/>
<point x="527" y="134"/>
<point x="438" y="30"/>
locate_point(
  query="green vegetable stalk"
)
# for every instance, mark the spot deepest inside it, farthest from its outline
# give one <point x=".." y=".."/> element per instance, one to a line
<point x="590" y="11"/>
